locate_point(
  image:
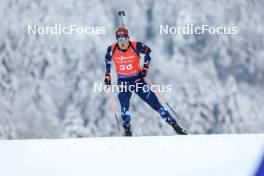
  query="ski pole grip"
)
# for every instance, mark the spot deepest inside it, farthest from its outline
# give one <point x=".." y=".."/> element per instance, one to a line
<point x="121" y="13"/>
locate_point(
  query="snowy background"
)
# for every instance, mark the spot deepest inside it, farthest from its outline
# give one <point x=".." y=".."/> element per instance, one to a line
<point x="46" y="81"/>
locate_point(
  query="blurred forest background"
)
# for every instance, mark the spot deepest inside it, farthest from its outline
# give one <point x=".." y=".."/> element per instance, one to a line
<point x="46" y="81"/>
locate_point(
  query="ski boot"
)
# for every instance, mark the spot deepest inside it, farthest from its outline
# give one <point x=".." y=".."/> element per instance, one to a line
<point x="127" y="130"/>
<point x="178" y="129"/>
<point x="170" y="120"/>
<point x="126" y="121"/>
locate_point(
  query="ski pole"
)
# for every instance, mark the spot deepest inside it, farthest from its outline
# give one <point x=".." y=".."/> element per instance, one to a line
<point x="114" y="107"/>
<point x="163" y="100"/>
<point x="122" y="13"/>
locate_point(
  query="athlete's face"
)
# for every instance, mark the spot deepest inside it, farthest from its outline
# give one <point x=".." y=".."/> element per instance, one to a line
<point x="123" y="43"/>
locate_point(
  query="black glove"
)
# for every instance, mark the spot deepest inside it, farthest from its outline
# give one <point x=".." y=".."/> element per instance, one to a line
<point x="107" y="80"/>
<point x="144" y="70"/>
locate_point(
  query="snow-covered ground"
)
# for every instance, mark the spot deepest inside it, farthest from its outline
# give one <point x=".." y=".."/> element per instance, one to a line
<point x="197" y="155"/>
